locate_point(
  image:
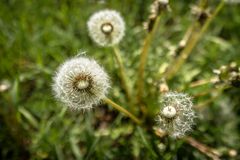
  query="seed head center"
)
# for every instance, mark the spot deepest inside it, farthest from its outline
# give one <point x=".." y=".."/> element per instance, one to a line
<point x="107" y="28"/>
<point x="169" y="112"/>
<point x="82" y="84"/>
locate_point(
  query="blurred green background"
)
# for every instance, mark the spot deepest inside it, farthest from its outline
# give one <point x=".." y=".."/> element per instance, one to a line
<point x="37" y="36"/>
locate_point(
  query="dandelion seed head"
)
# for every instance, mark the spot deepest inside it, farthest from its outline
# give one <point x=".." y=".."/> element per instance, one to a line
<point x="80" y="83"/>
<point x="176" y="116"/>
<point x="106" y="27"/>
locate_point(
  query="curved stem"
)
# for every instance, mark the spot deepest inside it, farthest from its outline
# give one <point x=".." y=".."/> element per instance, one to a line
<point x="206" y="150"/>
<point x="121" y="109"/>
<point x="203" y="82"/>
<point x="123" y="75"/>
<point x="191" y="43"/>
<point x="143" y="59"/>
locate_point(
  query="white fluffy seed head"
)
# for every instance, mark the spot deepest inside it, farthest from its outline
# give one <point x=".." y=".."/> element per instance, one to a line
<point x="176" y="116"/>
<point x="80" y="83"/>
<point x="106" y="27"/>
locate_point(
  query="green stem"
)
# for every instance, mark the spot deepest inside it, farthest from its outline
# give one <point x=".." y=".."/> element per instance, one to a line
<point x="191" y="43"/>
<point x="143" y="59"/>
<point x="123" y="75"/>
<point x="203" y="82"/>
<point x="121" y="109"/>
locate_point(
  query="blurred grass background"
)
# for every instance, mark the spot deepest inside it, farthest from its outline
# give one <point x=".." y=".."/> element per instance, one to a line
<point x="37" y="36"/>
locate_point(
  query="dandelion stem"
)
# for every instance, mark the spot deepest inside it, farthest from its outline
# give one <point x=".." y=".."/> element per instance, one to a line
<point x="123" y="75"/>
<point x="121" y="109"/>
<point x="143" y="59"/>
<point x="210" y="152"/>
<point x="191" y="43"/>
<point x="206" y="150"/>
<point x="203" y="82"/>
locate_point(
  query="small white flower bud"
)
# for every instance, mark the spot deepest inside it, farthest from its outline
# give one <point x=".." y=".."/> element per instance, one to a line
<point x="106" y="27"/>
<point x="169" y="112"/>
<point x="80" y="82"/>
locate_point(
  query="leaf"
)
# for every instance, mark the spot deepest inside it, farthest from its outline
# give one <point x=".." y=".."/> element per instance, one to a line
<point x="145" y="142"/>
<point x="29" y="117"/>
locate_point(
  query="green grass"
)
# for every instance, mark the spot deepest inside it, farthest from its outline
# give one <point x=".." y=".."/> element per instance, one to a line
<point x="37" y="36"/>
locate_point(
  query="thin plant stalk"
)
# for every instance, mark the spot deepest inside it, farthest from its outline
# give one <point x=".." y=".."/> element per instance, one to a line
<point x="201" y="94"/>
<point x="143" y="59"/>
<point x="194" y="38"/>
<point x="203" y="82"/>
<point x="203" y="148"/>
<point x="210" y="152"/>
<point x="123" y="75"/>
<point x="121" y="109"/>
<point x="186" y="37"/>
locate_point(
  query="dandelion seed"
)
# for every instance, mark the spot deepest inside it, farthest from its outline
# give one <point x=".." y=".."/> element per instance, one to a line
<point x="176" y="116"/>
<point x="80" y="83"/>
<point x="106" y="27"/>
